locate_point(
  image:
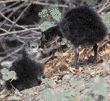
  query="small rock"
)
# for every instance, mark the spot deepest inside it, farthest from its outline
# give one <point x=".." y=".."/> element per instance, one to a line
<point x="66" y="77"/>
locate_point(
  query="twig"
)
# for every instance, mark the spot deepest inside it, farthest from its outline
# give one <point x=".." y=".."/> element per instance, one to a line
<point x="37" y="2"/>
<point x="20" y="15"/>
<point x="10" y="20"/>
<point x="12" y="13"/>
<point x="27" y="37"/>
<point x="15" y="32"/>
<point x="11" y="53"/>
<point x="104" y="6"/>
<point x="9" y="6"/>
<point x="3" y="30"/>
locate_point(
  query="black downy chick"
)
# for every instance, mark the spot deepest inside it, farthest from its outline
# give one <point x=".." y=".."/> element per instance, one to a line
<point x="81" y="25"/>
<point x="27" y="70"/>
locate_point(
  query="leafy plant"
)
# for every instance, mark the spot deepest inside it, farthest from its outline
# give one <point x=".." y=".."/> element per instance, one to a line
<point x="43" y="13"/>
<point x="45" y="25"/>
<point x="55" y="13"/>
<point x="8" y="74"/>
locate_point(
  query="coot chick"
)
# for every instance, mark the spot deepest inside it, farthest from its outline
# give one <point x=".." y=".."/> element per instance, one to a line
<point x="28" y="71"/>
<point x="81" y="25"/>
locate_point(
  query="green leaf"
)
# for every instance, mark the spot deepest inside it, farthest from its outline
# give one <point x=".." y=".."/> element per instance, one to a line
<point x="55" y="13"/>
<point x="8" y="74"/>
<point x="64" y="42"/>
<point x="4" y="71"/>
<point x="12" y="75"/>
<point x="6" y="77"/>
<point x="68" y="45"/>
<point x="43" y="13"/>
<point x="45" y="25"/>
